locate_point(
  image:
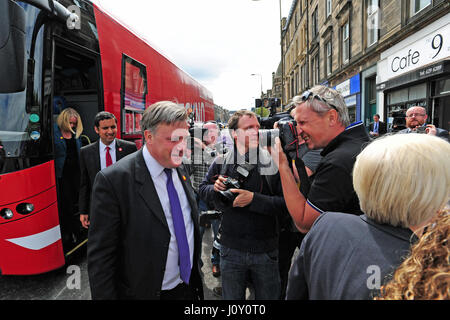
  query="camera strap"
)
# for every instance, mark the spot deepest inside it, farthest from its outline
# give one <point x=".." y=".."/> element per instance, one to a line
<point x="303" y="175"/>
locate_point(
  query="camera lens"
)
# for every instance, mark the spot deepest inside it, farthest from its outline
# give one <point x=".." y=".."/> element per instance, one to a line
<point x="267" y="136"/>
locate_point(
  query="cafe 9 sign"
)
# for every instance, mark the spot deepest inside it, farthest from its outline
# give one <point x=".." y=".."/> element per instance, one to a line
<point x="428" y="49"/>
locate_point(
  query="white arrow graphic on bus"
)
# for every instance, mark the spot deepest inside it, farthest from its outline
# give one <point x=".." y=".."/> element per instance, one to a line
<point x="39" y="240"/>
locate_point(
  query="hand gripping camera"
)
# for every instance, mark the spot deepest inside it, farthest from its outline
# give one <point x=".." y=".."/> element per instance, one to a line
<point x="241" y="171"/>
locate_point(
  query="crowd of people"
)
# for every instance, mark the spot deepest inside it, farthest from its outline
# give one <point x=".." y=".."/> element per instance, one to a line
<point x="367" y="210"/>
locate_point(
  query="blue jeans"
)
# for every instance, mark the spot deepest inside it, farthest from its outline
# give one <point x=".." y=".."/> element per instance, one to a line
<point x="261" y="269"/>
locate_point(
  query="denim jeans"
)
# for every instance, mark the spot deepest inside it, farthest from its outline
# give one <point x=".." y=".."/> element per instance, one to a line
<point x="215" y="257"/>
<point x="261" y="269"/>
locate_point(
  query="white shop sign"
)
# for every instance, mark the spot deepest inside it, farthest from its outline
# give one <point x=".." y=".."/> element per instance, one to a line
<point x="344" y="88"/>
<point x="430" y="48"/>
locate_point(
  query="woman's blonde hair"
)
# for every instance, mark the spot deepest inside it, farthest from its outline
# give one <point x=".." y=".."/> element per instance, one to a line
<point x="63" y="121"/>
<point x="425" y="274"/>
<point x="403" y="179"/>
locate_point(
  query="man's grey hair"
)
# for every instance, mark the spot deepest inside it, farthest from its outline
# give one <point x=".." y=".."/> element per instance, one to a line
<point x="166" y="112"/>
<point x="332" y="97"/>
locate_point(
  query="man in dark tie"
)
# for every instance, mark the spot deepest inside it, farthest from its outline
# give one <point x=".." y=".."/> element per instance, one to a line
<point x="377" y="128"/>
<point x="99" y="155"/>
<point x="144" y="240"/>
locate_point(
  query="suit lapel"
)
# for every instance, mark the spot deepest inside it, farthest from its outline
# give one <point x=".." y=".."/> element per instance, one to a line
<point x="95" y="158"/>
<point x="184" y="178"/>
<point x="147" y="189"/>
<point x="119" y="150"/>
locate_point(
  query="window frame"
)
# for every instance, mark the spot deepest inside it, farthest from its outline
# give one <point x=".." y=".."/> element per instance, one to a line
<point x="345" y="43"/>
<point x="374" y="32"/>
<point x="131" y="112"/>
<point x="412" y="11"/>
<point x="314" y="23"/>
<point x="328" y="8"/>
<point x="328" y="57"/>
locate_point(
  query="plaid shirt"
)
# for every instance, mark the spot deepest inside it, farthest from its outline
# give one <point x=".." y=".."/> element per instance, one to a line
<point x="200" y="165"/>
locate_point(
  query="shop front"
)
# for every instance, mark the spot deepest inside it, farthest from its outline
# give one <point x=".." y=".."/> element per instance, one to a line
<point x="416" y="72"/>
<point x="350" y="89"/>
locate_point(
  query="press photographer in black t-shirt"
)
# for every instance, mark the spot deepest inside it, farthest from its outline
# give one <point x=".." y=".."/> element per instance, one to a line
<point x="323" y="122"/>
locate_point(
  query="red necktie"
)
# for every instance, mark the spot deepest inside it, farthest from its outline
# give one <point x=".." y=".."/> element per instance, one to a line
<point x="108" y="157"/>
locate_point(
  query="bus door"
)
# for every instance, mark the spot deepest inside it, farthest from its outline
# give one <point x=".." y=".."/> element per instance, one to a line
<point x="76" y="84"/>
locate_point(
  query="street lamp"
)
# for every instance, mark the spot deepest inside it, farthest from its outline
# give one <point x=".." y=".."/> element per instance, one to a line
<point x="282" y="60"/>
<point x="260" y="78"/>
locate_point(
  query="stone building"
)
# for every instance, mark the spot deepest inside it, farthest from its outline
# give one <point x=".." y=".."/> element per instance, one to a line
<point x="378" y="54"/>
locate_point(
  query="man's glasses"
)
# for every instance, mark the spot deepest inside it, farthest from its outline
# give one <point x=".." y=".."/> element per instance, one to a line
<point x="416" y="115"/>
<point x="308" y="94"/>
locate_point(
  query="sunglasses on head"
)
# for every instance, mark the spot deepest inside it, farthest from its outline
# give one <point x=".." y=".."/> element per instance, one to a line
<point x="308" y="94"/>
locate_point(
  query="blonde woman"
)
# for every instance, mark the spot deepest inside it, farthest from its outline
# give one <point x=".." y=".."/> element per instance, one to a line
<point x="66" y="133"/>
<point x="402" y="181"/>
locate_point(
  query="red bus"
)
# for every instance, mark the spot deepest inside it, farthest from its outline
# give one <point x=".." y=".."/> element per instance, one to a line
<point x="48" y="61"/>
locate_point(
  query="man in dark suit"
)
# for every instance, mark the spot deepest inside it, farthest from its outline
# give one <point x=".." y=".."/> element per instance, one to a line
<point x="99" y="155"/>
<point x="377" y="128"/>
<point x="416" y="122"/>
<point x="144" y="240"/>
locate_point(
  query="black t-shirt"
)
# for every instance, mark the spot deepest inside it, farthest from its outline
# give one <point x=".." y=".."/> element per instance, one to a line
<point x="332" y="184"/>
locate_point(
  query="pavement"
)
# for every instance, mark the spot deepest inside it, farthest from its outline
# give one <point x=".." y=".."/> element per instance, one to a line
<point x="71" y="282"/>
<point x="209" y="280"/>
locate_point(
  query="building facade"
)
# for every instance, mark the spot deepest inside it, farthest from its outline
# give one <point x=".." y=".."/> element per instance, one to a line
<point x="353" y="45"/>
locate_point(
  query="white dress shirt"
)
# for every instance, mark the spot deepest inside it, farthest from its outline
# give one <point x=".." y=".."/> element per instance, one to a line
<point x="112" y="152"/>
<point x="172" y="273"/>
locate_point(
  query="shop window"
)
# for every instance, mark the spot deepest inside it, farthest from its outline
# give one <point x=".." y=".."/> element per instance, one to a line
<point x="401" y="100"/>
<point x="398" y="96"/>
<point x="133" y="94"/>
<point x="442" y="87"/>
<point x="417" y="92"/>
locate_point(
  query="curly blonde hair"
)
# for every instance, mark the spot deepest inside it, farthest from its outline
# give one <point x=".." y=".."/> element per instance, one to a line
<point x="425" y="273"/>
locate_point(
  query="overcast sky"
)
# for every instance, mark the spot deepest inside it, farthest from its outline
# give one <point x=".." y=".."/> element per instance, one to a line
<point x="218" y="42"/>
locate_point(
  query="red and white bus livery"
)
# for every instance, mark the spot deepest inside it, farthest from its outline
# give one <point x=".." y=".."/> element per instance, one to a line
<point x="54" y="55"/>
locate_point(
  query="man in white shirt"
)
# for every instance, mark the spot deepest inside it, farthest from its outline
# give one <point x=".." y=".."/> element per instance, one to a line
<point x="99" y="155"/>
<point x="144" y="240"/>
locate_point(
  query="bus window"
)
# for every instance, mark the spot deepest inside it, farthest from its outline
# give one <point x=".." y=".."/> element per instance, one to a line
<point x="134" y="90"/>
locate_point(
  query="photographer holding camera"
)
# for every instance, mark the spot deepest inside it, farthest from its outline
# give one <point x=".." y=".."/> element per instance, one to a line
<point x="205" y="148"/>
<point x="323" y="122"/>
<point x="245" y="185"/>
<point x="416" y="118"/>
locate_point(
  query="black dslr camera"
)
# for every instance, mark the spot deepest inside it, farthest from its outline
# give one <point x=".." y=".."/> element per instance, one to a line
<point x="230" y="183"/>
<point x="287" y="132"/>
<point x="241" y="171"/>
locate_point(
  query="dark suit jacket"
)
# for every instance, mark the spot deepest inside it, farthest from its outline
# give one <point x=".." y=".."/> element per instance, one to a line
<point x="441" y="133"/>
<point x="129" y="236"/>
<point x="382" y="129"/>
<point x="90" y="165"/>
